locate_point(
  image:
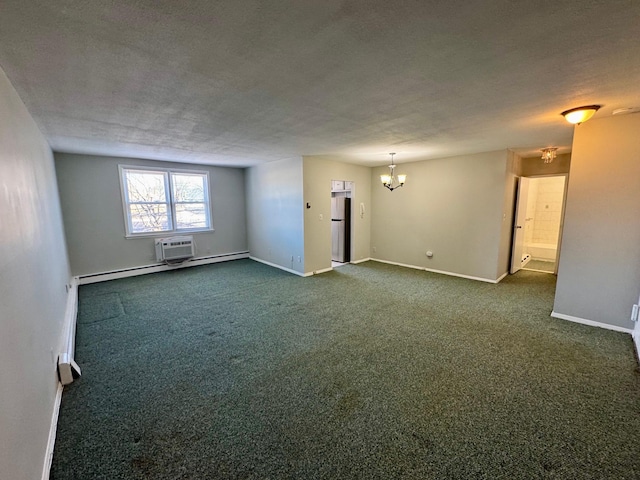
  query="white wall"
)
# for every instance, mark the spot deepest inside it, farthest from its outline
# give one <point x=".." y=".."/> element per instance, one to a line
<point x="274" y="213"/>
<point x="546" y="200"/>
<point x="460" y="208"/>
<point x="599" y="270"/>
<point x="531" y="212"/>
<point x="318" y="173"/>
<point x="94" y="219"/>
<point x="34" y="271"/>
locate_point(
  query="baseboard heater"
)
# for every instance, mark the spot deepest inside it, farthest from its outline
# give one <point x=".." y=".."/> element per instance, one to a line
<point x="68" y="369"/>
<point x="173" y="250"/>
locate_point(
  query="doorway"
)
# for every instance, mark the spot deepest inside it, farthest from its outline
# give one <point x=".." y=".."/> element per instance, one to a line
<point x="538" y="226"/>
<point x="341" y="224"/>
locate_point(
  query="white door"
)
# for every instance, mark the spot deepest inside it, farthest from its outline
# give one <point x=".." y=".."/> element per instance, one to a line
<point x="518" y="228"/>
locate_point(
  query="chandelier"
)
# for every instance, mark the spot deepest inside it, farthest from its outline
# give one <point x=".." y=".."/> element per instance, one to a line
<point x="391" y="180"/>
<point x="548" y="154"/>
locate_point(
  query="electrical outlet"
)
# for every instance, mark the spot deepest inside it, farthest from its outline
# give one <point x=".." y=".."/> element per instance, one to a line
<point x="299" y="259"/>
<point x="321" y="217"/>
<point x="374" y="249"/>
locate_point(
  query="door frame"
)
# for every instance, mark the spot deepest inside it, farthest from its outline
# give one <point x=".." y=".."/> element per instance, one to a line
<point x="351" y="193"/>
<point x="518" y="230"/>
<point x="562" y="213"/>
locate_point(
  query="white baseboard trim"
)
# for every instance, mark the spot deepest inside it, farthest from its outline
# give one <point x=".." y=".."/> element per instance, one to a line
<point x="275" y="265"/>
<point x="443" y="272"/>
<point x="305" y="274"/>
<point x="48" y="458"/>
<point x="591" y="323"/>
<point x="397" y="264"/>
<point x="143" y="270"/>
<point x="355" y="262"/>
<point x="501" y="277"/>
<point x="636" y="341"/>
<point x="317" y="272"/>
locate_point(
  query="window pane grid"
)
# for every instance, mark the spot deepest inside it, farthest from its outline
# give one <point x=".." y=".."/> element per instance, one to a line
<point x="165" y="201"/>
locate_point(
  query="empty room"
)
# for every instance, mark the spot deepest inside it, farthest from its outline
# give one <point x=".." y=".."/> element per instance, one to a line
<point x="319" y="240"/>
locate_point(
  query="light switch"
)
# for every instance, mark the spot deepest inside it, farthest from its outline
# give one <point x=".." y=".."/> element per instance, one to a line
<point x="321" y="217"/>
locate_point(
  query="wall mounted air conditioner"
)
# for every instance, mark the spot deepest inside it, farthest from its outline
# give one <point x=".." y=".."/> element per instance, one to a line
<point x="175" y="249"/>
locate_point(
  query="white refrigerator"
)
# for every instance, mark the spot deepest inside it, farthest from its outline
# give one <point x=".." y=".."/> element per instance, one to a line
<point x="340" y="229"/>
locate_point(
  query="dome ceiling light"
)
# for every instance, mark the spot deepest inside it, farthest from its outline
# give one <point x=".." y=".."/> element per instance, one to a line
<point x="579" y="115"/>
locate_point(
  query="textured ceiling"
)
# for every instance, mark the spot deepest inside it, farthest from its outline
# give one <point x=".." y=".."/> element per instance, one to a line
<point x="241" y="82"/>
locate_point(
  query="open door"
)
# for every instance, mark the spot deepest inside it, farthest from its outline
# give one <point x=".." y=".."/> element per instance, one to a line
<point x="518" y="227"/>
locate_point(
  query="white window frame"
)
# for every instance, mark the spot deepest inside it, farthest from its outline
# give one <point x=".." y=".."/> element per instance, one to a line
<point x="170" y="202"/>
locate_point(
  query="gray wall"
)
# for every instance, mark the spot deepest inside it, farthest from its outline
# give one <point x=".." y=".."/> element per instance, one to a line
<point x="94" y="219"/>
<point x="35" y="270"/>
<point x="318" y="173"/>
<point x="274" y="213"/>
<point x="451" y="206"/>
<point x="599" y="270"/>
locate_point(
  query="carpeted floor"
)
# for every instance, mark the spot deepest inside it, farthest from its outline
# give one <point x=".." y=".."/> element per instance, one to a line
<point x="242" y="371"/>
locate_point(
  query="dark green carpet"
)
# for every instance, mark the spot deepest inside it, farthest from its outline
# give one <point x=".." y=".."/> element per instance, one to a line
<point x="242" y="371"/>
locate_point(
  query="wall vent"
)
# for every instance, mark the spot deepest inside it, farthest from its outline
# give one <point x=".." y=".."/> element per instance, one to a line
<point x="174" y="249"/>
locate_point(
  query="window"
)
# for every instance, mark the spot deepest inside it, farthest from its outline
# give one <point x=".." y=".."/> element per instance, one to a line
<point x="164" y="201"/>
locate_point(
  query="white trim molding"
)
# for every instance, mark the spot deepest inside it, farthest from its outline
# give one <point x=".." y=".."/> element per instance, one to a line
<point x="275" y="265"/>
<point x="443" y="272"/>
<point x="355" y="262"/>
<point x="591" y="323"/>
<point x="318" y="272"/>
<point x="53" y="429"/>
<point x="635" y="334"/>
<point x="143" y="270"/>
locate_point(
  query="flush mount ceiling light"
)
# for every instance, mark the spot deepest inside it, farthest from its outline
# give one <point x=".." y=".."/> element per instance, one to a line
<point x="389" y="180"/>
<point x="549" y="154"/>
<point x="580" y="114"/>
